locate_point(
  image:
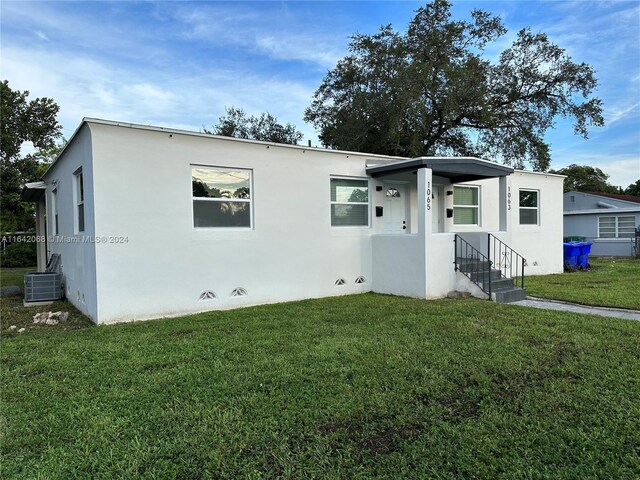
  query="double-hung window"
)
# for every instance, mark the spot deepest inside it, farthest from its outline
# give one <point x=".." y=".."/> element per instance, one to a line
<point x="616" y="226"/>
<point x="221" y="197"/>
<point x="349" y="202"/>
<point x="466" y="205"/>
<point x="79" y="200"/>
<point x="529" y="207"/>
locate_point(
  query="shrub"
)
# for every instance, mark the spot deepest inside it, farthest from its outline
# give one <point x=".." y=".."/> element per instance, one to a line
<point x="19" y="254"/>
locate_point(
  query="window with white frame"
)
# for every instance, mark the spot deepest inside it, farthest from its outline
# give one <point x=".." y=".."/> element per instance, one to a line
<point x="466" y="205"/>
<point x="616" y="226"/>
<point x="529" y="207"/>
<point x="349" y="202"/>
<point x="54" y="212"/>
<point x="221" y="197"/>
<point x="78" y="193"/>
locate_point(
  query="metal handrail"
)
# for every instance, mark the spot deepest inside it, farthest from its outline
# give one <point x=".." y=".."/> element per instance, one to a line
<point x="505" y="259"/>
<point x="475" y="264"/>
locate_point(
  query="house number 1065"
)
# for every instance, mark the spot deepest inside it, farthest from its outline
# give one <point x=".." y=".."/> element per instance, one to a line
<point x="428" y="195"/>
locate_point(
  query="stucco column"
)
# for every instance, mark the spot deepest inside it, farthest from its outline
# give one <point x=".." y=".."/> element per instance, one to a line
<point x="41" y="233"/>
<point x="505" y="202"/>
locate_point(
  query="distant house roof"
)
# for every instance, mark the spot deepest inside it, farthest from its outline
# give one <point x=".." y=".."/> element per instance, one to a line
<point x="583" y="203"/>
<point x="626" y="198"/>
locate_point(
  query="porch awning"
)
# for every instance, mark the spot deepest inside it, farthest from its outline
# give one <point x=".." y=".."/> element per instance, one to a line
<point x="456" y="169"/>
<point x="33" y="192"/>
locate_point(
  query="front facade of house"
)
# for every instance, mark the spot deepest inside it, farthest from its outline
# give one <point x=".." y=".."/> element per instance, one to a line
<point x="610" y="222"/>
<point x="153" y="222"/>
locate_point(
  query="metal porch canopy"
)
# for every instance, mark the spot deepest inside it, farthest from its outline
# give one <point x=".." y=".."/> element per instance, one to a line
<point x="457" y="169"/>
<point x="33" y="192"/>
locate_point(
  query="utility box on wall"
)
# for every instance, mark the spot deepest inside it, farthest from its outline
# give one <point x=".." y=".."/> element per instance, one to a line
<point x="42" y="287"/>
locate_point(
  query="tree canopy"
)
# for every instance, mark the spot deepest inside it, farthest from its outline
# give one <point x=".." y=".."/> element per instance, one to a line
<point x="583" y="178"/>
<point x="431" y="91"/>
<point x="633" y="189"/>
<point x="237" y="124"/>
<point x="23" y="120"/>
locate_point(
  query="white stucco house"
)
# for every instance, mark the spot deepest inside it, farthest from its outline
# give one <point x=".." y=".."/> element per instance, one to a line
<point x="150" y="222"/>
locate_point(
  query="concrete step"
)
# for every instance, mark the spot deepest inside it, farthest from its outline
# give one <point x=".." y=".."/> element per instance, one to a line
<point x="508" y="295"/>
<point x="500" y="284"/>
<point x="483" y="275"/>
<point x="472" y="264"/>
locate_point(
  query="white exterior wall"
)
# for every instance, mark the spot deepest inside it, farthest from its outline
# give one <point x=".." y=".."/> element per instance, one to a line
<point x="78" y="255"/>
<point x="540" y="244"/>
<point x="143" y="191"/>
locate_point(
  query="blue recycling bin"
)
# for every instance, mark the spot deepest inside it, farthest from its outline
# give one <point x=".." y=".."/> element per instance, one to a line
<point x="583" y="256"/>
<point x="571" y="253"/>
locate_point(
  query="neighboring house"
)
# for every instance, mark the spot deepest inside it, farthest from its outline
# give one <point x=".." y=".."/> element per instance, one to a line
<point x="153" y="222"/>
<point x="610" y="221"/>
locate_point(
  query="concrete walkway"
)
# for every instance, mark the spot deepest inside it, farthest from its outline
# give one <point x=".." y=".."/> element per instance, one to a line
<point x="575" y="308"/>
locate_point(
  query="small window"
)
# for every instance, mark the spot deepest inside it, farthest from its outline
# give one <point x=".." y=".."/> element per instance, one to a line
<point x="616" y="227"/>
<point x="466" y="205"/>
<point x="221" y="197"/>
<point x="349" y="202"/>
<point x="54" y="211"/>
<point x="393" y="192"/>
<point x="529" y="207"/>
<point x="79" y="198"/>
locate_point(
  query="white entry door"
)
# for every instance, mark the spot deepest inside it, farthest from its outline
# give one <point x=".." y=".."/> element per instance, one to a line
<point x="395" y="209"/>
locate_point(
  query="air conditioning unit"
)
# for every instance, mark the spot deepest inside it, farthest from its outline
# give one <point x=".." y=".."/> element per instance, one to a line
<point x="43" y="286"/>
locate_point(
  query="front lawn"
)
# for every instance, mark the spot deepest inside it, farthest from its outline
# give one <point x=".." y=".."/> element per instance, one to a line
<point x="609" y="283"/>
<point x="365" y="386"/>
<point x="14" y="276"/>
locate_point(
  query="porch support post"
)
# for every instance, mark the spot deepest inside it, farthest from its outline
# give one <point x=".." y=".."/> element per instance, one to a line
<point x="425" y="213"/>
<point x="41" y="233"/>
<point x="505" y="202"/>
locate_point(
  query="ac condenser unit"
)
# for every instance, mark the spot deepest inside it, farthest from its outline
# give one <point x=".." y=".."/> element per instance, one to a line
<point x="42" y="286"/>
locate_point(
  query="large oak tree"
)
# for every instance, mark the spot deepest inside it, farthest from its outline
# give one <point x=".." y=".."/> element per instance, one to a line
<point x="433" y="91"/>
<point x="23" y="120"/>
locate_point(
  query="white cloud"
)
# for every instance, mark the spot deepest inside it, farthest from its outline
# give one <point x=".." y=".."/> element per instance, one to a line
<point x="620" y="113"/>
<point x="89" y="88"/>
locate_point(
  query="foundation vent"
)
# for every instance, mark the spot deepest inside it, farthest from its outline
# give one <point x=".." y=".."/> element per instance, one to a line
<point x="340" y="282"/>
<point x="208" y="295"/>
<point x="239" y="292"/>
<point x="360" y="280"/>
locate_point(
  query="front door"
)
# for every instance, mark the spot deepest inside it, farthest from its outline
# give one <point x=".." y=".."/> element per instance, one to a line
<point x="395" y="219"/>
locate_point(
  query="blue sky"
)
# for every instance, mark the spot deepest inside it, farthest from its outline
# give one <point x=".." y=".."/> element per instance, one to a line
<point x="180" y="64"/>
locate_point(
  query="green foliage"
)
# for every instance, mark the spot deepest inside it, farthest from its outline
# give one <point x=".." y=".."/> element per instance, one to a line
<point x="265" y="127"/>
<point x="608" y="283"/>
<point x="633" y="189"/>
<point x="23" y="120"/>
<point x="583" y="178"/>
<point x="430" y="91"/>
<point x="358" y="387"/>
<point x="19" y="254"/>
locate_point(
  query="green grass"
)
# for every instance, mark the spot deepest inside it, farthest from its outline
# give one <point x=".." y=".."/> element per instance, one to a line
<point x="609" y="283"/>
<point x="365" y="386"/>
<point x="13" y="313"/>
<point x="14" y="276"/>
